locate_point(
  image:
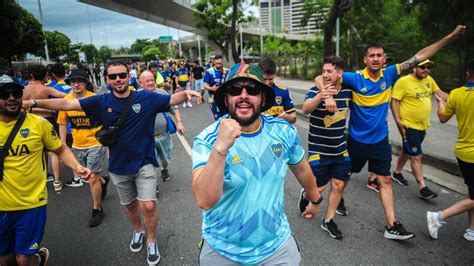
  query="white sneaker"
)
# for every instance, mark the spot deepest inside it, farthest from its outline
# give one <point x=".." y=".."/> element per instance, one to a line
<point x="189" y="104"/>
<point x="184" y="105"/>
<point x="433" y="224"/>
<point x="469" y="235"/>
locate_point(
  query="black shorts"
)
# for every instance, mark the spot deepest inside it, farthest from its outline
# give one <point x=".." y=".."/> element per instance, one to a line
<point x="378" y="154"/>
<point x="467" y="171"/>
<point x="412" y="141"/>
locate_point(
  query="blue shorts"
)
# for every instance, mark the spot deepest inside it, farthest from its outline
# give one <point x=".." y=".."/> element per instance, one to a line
<point x="378" y="154"/>
<point x="215" y="110"/>
<point x="327" y="167"/>
<point x="412" y="141"/>
<point x="21" y="231"/>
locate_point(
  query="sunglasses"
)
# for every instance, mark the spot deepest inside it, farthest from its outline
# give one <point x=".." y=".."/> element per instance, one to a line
<point x="236" y="90"/>
<point x="425" y="67"/>
<point x="77" y="81"/>
<point x="114" y="76"/>
<point x="17" y="94"/>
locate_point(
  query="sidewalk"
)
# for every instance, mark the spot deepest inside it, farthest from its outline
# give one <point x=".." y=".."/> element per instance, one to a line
<point x="439" y="143"/>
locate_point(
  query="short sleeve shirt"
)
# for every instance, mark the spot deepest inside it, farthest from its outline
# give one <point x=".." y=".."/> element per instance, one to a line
<point x="241" y="226"/>
<point x="283" y="101"/>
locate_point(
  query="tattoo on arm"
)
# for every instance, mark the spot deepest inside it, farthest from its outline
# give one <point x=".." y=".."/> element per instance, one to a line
<point x="410" y="63"/>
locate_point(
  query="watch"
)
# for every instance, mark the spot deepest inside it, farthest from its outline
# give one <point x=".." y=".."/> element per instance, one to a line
<point x="318" y="201"/>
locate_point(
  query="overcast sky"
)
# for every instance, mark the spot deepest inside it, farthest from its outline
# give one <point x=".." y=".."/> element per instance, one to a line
<point x="107" y="27"/>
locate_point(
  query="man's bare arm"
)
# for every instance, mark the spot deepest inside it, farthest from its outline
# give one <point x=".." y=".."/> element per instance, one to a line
<point x="429" y="51"/>
<point x="54" y="104"/>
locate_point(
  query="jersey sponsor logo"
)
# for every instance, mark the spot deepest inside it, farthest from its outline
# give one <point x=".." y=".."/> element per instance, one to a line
<point x="274" y="111"/>
<point x="136" y="108"/>
<point x="19" y="150"/>
<point x="35" y="246"/>
<point x="278" y="99"/>
<point x="277" y="149"/>
<point x="329" y="120"/>
<point x="24" y="132"/>
<point x="236" y="159"/>
<point x="383" y="85"/>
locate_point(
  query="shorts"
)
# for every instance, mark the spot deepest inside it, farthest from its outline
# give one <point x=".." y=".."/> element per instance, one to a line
<point x="92" y="158"/>
<point x="216" y="113"/>
<point x="412" y="141"/>
<point x="198" y="83"/>
<point x="378" y="154"/>
<point x="164" y="147"/>
<point x="467" y="171"/>
<point x="327" y="167"/>
<point x="183" y="85"/>
<point x="21" y="231"/>
<point x="287" y="254"/>
<point x="141" y="186"/>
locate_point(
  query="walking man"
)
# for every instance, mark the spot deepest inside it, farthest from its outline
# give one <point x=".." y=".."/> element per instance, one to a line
<point x="411" y="109"/>
<point x="23" y="192"/>
<point x="239" y="167"/>
<point x="132" y="158"/>
<point x="283" y="106"/>
<point x="85" y="146"/>
<point x="214" y="77"/>
<point x="459" y="103"/>
<point x="327" y="147"/>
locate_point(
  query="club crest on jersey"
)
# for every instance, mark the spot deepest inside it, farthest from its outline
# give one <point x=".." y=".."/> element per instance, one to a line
<point x="278" y="99"/>
<point x="383" y="85"/>
<point x="136" y="108"/>
<point x="24" y="132"/>
<point x="277" y="148"/>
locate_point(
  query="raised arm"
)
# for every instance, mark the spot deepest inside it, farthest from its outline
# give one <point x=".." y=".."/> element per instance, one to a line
<point x="183" y="96"/>
<point x="54" y="104"/>
<point x="441" y="105"/>
<point x="432" y="49"/>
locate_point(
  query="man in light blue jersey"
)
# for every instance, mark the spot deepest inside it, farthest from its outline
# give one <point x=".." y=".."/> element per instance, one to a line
<point x="239" y="166"/>
<point x="368" y="128"/>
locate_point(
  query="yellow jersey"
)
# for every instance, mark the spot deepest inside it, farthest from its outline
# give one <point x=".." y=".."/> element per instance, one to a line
<point x="415" y="100"/>
<point x="24" y="174"/>
<point x="83" y="127"/>
<point x="461" y="102"/>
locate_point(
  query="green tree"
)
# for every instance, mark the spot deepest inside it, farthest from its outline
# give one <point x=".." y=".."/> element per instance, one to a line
<point x="151" y="52"/>
<point x="105" y="53"/>
<point x="58" y="45"/>
<point x="139" y="45"/>
<point x="21" y="32"/>
<point x="92" y="54"/>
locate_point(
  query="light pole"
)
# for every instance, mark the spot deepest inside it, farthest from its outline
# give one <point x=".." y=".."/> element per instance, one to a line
<point x="45" y="40"/>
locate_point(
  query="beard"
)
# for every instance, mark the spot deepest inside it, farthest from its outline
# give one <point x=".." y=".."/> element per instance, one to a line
<point x="247" y="121"/>
<point x="120" y="91"/>
<point x="11" y="113"/>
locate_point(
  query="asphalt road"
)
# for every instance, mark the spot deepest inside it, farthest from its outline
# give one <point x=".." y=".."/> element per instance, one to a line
<point x="71" y="242"/>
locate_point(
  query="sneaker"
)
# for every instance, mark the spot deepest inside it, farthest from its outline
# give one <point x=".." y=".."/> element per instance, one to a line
<point x="49" y="177"/>
<point x="426" y="193"/>
<point x="184" y="105"/>
<point x="397" y="232"/>
<point x="137" y="241"/>
<point x="341" y="209"/>
<point x="331" y="228"/>
<point x="302" y="202"/>
<point x="374" y="185"/>
<point x="433" y="224"/>
<point x="58" y="186"/>
<point x="400" y="179"/>
<point x="153" y="255"/>
<point x="164" y="175"/>
<point x="469" y="235"/>
<point x="104" y="187"/>
<point x="189" y="104"/>
<point x="74" y="182"/>
<point x="43" y="256"/>
<point x="97" y="217"/>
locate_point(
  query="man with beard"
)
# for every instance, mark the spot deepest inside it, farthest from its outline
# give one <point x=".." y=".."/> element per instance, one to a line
<point x="239" y="168"/>
<point x="213" y="78"/>
<point x="411" y="109"/>
<point x="132" y="158"/>
<point x="23" y="191"/>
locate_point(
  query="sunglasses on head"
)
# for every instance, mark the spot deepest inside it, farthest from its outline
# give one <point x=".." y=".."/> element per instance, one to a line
<point x="17" y="94"/>
<point x="114" y="76"/>
<point x="425" y="67"/>
<point x="236" y="89"/>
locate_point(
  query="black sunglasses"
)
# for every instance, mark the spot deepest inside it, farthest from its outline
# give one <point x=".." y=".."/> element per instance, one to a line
<point x="236" y="90"/>
<point x="425" y="67"/>
<point x="17" y="94"/>
<point x="114" y="76"/>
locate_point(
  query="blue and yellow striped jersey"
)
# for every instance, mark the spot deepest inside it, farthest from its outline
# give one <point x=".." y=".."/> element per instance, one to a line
<point x="370" y="103"/>
<point x="249" y="223"/>
<point x="327" y="129"/>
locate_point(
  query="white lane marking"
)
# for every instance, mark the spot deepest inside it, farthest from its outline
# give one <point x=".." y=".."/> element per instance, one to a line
<point x="185" y="144"/>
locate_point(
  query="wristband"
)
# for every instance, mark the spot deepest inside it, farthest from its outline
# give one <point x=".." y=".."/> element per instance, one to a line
<point x="34" y="103"/>
<point x="316" y="202"/>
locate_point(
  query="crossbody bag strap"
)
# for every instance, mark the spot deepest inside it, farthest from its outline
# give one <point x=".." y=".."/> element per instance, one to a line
<point x="8" y="143"/>
<point x="125" y="109"/>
